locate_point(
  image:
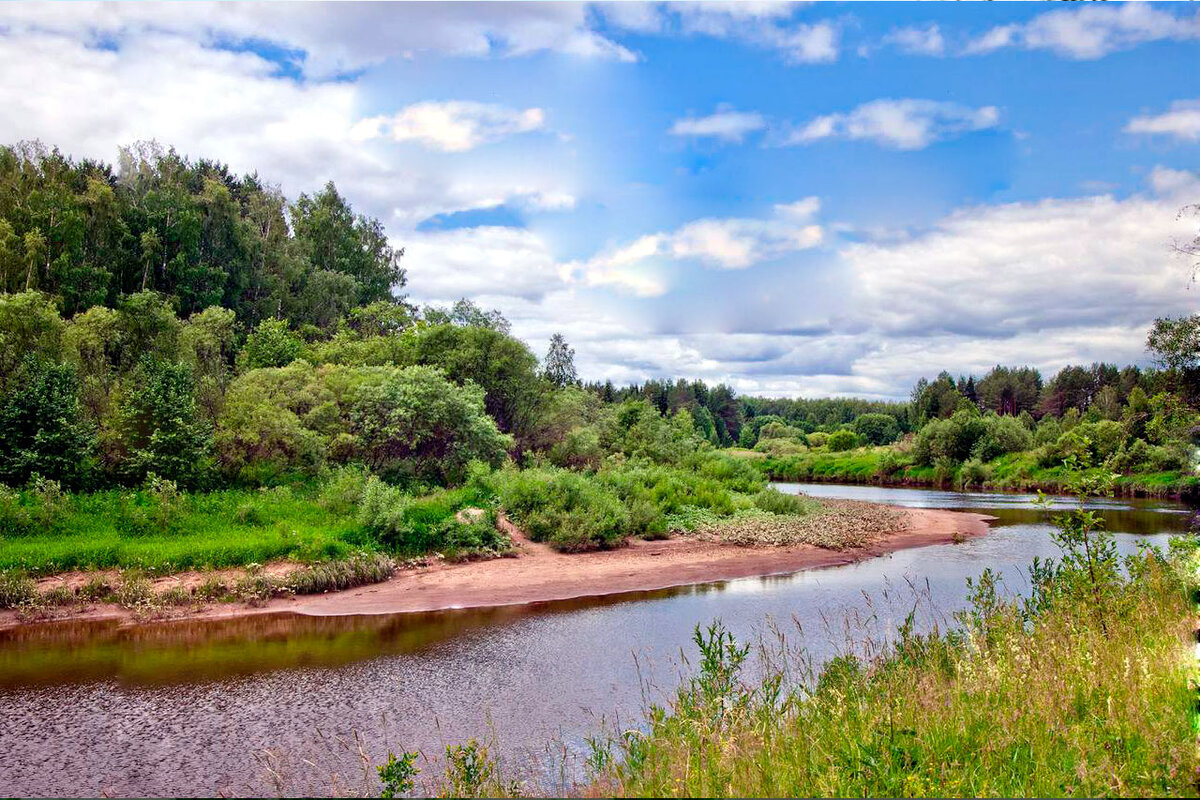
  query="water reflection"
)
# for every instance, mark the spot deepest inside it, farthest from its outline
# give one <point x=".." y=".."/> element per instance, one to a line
<point x="181" y="708"/>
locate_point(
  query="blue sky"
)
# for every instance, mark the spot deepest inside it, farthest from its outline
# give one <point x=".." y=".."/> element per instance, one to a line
<point x="798" y="199"/>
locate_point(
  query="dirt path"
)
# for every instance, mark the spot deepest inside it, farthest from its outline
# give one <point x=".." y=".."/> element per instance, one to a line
<point x="537" y="573"/>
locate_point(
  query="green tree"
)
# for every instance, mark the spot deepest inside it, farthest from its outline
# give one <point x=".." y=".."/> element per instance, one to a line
<point x="29" y="324"/>
<point x="161" y="429"/>
<point x="559" y="366"/>
<point x="336" y="240"/>
<point x="271" y="344"/>
<point x="42" y="429"/>
<point x="877" y="429"/>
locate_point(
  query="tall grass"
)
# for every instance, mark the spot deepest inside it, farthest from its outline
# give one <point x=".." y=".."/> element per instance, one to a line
<point x="135" y="529"/>
<point x="1082" y="689"/>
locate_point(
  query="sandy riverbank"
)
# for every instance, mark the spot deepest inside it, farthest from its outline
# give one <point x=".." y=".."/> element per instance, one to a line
<point x="539" y="574"/>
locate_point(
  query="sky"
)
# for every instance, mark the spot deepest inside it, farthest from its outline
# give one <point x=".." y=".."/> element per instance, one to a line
<point x="795" y="199"/>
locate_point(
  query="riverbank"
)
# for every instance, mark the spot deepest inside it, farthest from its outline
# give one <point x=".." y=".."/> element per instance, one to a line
<point x="1018" y="472"/>
<point x="537" y="573"/>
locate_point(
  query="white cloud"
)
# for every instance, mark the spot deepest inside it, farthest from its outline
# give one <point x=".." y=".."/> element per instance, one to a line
<point x="641" y="267"/>
<point x="235" y="106"/>
<point x="766" y="25"/>
<point x="1181" y="122"/>
<point x="1090" y="31"/>
<point x="926" y="41"/>
<point x="724" y="124"/>
<point x="997" y="271"/>
<point x="905" y="124"/>
<point x="452" y="126"/>
<point x="337" y="37"/>
<point x="483" y="261"/>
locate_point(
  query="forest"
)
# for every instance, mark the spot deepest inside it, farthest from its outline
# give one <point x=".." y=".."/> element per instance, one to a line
<point x="197" y="372"/>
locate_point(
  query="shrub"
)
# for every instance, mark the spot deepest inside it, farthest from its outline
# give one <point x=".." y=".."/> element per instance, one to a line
<point x="271" y="344"/>
<point x="16" y="589"/>
<point x="342" y="491"/>
<point x="735" y="474"/>
<point x="161" y="430"/>
<point x="817" y="439"/>
<point x="776" y="502"/>
<point x="211" y="588"/>
<point x="58" y="595"/>
<point x="571" y="512"/>
<point x="949" y="439"/>
<point x="48" y="502"/>
<point x="14" y="516"/>
<point x="135" y="591"/>
<point x="877" y="429"/>
<point x="646" y="520"/>
<point x="42" y="427"/>
<point x="1001" y="435"/>
<point x="974" y="473"/>
<point x="95" y="588"/>
<point x="840" y="441"/>
<point x="249" y="514"/>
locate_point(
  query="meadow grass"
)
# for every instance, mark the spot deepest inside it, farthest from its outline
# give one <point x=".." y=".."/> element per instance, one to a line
<point x="1064" y="699"/>
<point x="116" y="529"/>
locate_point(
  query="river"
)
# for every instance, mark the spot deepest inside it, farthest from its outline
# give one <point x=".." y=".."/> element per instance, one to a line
<point x="283" y="703"/>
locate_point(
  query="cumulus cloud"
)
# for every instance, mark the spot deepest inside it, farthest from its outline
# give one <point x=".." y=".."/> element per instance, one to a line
<point x="905" y="124"/>
<point x="1181" y="122"/>
<point x="1046" y="283"/>
<point x="236" y="106"/>
<point x="924" y="41"/>
<point x="641" y="267"/>
<point x="332" y="38"/>
<point x="995" y="271"/>
<point x="483" y="261"/>
<point x="767" y="25"/>
<point x="452" y="126"/>
<point x="1091" y="31"/>
<point x="725" y="124"/>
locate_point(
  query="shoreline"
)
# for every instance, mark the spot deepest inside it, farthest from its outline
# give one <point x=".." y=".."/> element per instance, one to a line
<point x="536" y="573"/>
<point x="1122" y="490"/>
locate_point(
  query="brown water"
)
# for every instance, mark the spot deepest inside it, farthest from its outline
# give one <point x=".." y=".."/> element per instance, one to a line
<point x="206" y="707"/>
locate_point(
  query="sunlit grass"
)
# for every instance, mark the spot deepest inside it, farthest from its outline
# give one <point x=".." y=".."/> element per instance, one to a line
<point x="218" y="529"/>
<point x="1058" y="704"/>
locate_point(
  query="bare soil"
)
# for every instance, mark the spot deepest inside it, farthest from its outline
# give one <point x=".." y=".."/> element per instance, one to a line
<point x="537" y="573"/>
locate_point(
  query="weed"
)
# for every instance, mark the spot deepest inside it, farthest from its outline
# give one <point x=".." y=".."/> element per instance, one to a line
<point x="16" y="589"/>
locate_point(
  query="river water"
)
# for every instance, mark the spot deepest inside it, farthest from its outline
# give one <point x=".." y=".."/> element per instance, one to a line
<point x="290" y="704"/>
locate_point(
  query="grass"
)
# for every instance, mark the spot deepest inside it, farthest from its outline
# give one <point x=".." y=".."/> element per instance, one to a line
<point x="1021" y="700"/>
<point x="219" y="529"/>
<point x="888" y="465"/>
<point x="134" y="590"/>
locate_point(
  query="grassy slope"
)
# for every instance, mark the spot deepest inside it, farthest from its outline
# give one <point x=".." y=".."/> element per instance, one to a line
<point x="1017" y="471"/>
<point x="1060" y="706"/>
<point x="218" y="529"/>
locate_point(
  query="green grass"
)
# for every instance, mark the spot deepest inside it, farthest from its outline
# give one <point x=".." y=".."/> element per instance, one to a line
<point x="1054" y="700"/>
<point x="1015" y="471"/>
<point x="134" y="529"/>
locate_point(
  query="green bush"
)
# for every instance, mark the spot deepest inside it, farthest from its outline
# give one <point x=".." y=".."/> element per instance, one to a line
<point x="776" y="502"/>
<point x="1001" y="435"/>
<point x="877" y="429"/>
<point x="407" y="524"/>
<point x="817" y="439"/>
<point x="840" y="441"/>
<point x="571" y="512"/>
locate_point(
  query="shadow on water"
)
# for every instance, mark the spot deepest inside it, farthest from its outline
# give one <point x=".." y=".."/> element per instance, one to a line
<point x="188" y="707"/>
<point x="167" y="652"/>
<point x="187" y="651"/>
